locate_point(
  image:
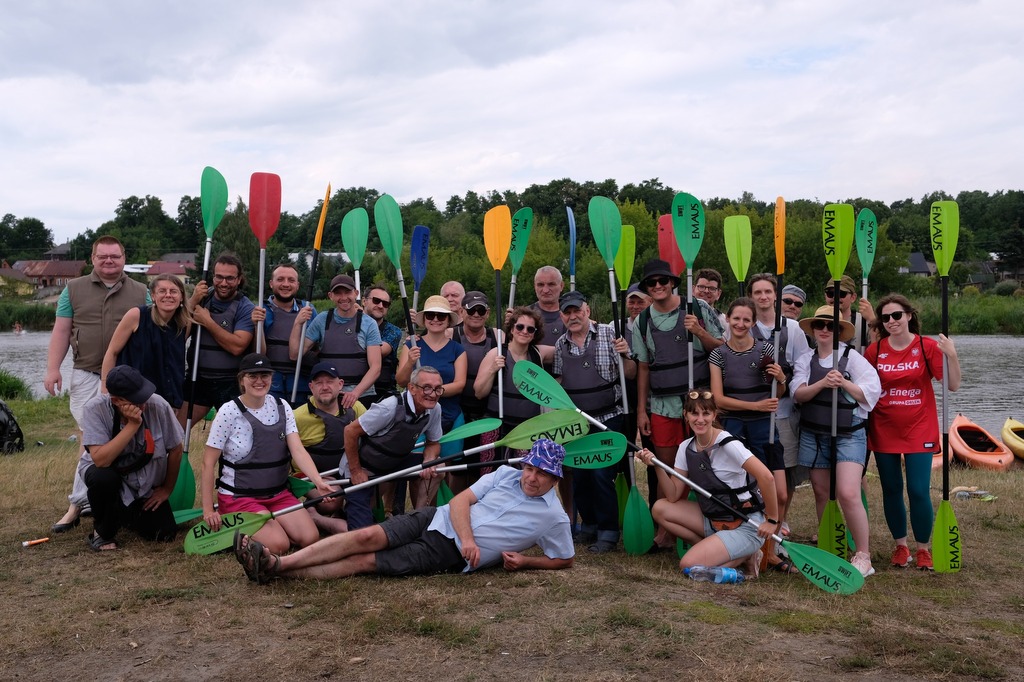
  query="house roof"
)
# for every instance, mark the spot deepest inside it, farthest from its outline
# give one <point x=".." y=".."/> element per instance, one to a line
<point x="187" y="258"/>
<point x="11" y="273"/>
<point x="920" y="265"/>
<point x="51" y="268"/>
<point x="164" y="268"/>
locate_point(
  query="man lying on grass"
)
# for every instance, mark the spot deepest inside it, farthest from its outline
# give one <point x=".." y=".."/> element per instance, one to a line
<point x="498" y="517"/>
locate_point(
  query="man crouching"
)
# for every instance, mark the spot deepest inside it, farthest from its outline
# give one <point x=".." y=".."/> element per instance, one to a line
<point x="498" y="517"/>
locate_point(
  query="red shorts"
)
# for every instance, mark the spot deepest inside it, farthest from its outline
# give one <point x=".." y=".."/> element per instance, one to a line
<point x="667" y="432"/>
<point x="228" y="504"/>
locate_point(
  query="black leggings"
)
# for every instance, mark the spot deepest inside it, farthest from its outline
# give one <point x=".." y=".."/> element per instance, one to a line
<point x="110" y="514"/>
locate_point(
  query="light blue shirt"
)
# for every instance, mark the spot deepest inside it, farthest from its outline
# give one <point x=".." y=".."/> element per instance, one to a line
<point x="505" y="519"/>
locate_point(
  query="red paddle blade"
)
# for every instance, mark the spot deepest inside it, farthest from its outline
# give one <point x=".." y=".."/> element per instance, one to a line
<point x="668" y="248"/>
<point x="264" y="205"/>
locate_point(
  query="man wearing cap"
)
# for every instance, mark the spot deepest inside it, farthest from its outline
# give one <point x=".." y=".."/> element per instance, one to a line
<point x="848" y="294"/>
<point x="345" y="336"/>
<point x="133" y="445"/>
<point x="225" y="316"/>
<point x="382" y="440"/>
<point x="586" y="363"/>
<point x="793" y="299"/>
<point x="659" y="346"/>
<point x="279" y="316"/>
<point x="376" y="303"/>
<point x="497" y="518"/>
<point x="321" y="421"/>
<point x="548" y="285"/>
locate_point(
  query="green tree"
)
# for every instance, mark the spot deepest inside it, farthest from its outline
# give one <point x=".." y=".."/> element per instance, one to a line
<point x="24" y="238"/>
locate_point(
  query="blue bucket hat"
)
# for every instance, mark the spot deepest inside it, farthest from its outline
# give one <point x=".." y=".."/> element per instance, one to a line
<point x="546" y="455"/>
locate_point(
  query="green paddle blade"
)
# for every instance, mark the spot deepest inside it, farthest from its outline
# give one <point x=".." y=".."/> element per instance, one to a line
<point x="625" y="256"/>
<point x="621" y="494"/>
<point x="688" y="225"/>
<point x="388" y="218"/>
<point x="522" y="224"/>
<point x="498" y="235"/>
<point x="825" y="571"/>
<point x="637" y="525"/>
<point x="444" y="494"/>
<point x="606" y="224"/>
<point x="355" y="230"/>
<point x="378" y="512"/>
<point x="737" y="245"/>
<point x="561" y="426"/>
<point x="945" y="231"/>
<point x="299" y="487"/>
<point x="540" y="387"/>
<point x="185" y="515"/>
<point x="200" y="539"/>
<point x="837" y="227"/>
<point x="867" y="225"/>
<point x="595" y="451"/>
<point x="213" y="199"/>
<point x="184" y="494"/>
<point x="832" y="530"/>
<point x="946" y="549"/>
<point x="473" y="428"/>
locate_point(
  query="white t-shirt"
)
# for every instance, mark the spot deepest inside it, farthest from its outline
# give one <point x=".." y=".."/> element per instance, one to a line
<point x="726" y="461"/>
<point x="231" y="433"/>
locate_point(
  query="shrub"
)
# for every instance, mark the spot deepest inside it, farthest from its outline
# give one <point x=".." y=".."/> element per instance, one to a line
<point x="1006" y="287"/>
<point x="970" y="290"/>
<point x="13" y="388"/>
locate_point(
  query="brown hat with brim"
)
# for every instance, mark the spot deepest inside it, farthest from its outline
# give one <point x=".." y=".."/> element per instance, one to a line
<point x="825" y="312"/>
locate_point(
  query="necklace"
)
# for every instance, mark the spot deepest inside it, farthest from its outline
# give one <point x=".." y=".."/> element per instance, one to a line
<point x="704" y="446"/>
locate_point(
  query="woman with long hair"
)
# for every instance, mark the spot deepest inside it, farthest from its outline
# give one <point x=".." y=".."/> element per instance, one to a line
<point x="718" y="462"/>
<point x="904" y="427"/>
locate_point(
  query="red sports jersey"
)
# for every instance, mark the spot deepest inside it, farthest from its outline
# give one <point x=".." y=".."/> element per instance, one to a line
<point x="904" y="420"/>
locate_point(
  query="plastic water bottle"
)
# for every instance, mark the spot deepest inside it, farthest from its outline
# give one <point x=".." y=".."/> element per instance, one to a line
<point x="715" y="574"/>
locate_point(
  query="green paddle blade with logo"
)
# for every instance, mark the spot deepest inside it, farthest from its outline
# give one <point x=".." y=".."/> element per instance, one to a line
<point x="688" y="224"/>
<point x="837" y="227"/>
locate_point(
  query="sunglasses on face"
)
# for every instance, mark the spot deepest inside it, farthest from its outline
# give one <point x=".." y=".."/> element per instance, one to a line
<point x="381" y="302"/>
<point x="897" y="315"/>
<point x="432" y="315"/>
<point x="657" y="281"/>
<point x="842" y="294"/>
<point x="793" y="302"/>
<point x="479" y="311"/>
<point x="818" y="325"/>
<point x="705" y="395"/>
<point x="431" y="390"/>
<point x="528" y="328"/>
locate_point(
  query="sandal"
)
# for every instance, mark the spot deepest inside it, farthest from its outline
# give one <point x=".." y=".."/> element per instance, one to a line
<point x="98" y="544"/>
<point x="259" y="569"/>
<point x="783" y="566"/>
<point x="239" y="545"/>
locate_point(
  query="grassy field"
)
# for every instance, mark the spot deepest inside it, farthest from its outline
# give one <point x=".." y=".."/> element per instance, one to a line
<point x="148" y="612"/>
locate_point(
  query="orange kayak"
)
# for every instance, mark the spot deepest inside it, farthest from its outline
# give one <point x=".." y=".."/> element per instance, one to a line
<point x="1013" y="436"/>
<point x="976" y="447"/>
<point x="937" y="457"/>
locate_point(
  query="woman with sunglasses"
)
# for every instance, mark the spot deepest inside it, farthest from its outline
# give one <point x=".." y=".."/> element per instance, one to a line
<point x="718" y="462"/>
<point x="858" y="391"/>
<point x="904" y="422"/>
<point x="741" y="374"/>
<point x="524" y="329"/>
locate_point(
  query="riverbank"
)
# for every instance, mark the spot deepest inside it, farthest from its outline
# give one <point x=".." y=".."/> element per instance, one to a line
<point x="150" y="612"/>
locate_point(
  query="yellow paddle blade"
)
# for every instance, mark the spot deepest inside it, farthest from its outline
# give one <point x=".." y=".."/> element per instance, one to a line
<point x="780" y="235"/>
<point x="498" y="235"/>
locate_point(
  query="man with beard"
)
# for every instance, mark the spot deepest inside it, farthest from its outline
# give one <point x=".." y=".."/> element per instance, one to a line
<point x="278" y="317"/>
<point x="376" y="303"/>
<point x="225" y="317"/>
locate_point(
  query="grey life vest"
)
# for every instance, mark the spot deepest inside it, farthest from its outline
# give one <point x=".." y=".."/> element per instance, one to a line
<point x="384" y="453"/>
<point x="586" y="387"/>
<point x="475" y="353"/>
<point x="518" y="408"/>
<point x="385" y="384"/>
<point x="277" y="335"/>
<point x="214" y="361"/>
<point x="668" y="367"/>
<point x="744" y="379"/>
<point x="341" y="344"/>
<point x="263" y="472"/>
<point x="700" y="471"/>
<point x="553" y="327"/>
<point x="816" y="414"/>
<point x="327" y="453"/>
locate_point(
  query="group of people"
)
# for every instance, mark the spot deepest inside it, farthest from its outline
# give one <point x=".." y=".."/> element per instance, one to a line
<point x="738" y="403"/>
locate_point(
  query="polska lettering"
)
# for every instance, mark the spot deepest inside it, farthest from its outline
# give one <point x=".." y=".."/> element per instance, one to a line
<point x="899" y="366"/>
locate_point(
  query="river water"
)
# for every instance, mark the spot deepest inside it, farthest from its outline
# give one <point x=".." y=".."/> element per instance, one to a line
<point x="992" y="388"/>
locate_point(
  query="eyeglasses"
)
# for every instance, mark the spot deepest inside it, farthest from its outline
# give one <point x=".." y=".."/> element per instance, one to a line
<point x="381" y="302"/>
<point x="706" y="289"/>
<point x="431" y="390"/>
<point x="478" y="310"/>
<point x="842" y="294"/>
<point x="434" y="315"/>
<point x="897" y="315"/>
<point x="818" y="325"/>
<point x="528" y="328"/>
<point x="657" y="281"/>
<point x="254" y="376"/>
<point x="230" y="279"/>
<point x="793" y="302"/>
<point x="108" y="256"/>
<point x="705" y="395"/>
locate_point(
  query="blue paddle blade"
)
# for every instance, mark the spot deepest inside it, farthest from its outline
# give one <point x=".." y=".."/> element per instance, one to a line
<point x="572" y="241"/>
<point x="419" y="253"/>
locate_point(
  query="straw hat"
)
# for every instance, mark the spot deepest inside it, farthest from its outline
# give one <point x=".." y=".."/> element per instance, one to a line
<point x="846" y="330"/>
<point x="437" y="304"/>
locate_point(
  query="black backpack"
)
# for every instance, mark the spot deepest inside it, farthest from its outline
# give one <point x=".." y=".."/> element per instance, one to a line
<point x="12" y="440"/>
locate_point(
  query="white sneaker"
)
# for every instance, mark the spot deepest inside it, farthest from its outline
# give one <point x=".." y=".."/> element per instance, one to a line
<point x="862" y="562"/>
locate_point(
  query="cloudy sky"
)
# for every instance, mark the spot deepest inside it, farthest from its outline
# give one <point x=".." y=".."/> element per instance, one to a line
<point x="803" y="98"/>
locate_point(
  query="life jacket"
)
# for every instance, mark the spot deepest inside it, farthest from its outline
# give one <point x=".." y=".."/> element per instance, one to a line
<point x="518" y="408"/>
<point x="701" y="472"/>
<point x="277" y="336"/>
<point x="214" y="361"/>
<point x="816" y="413"/>
<point x="668" y="371"/>
<point x="586" y="387"/>
<point x="744" y="379"/>
<point x="132" y="458"/>
<point x="384" y="453"/>
<point x="160" y="352"/>
<point x="475" y="353"/>
<point x="342" y="345"/>
<point x="327" y="453"/>
<point x="385" y="384"/>
<point x="263" y="472"/>
<point x="553" y="327"/>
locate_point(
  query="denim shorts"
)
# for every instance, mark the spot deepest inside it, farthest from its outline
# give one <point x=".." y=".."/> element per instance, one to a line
<point x="740" y="542"/>
<point x="816" y="453"/>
